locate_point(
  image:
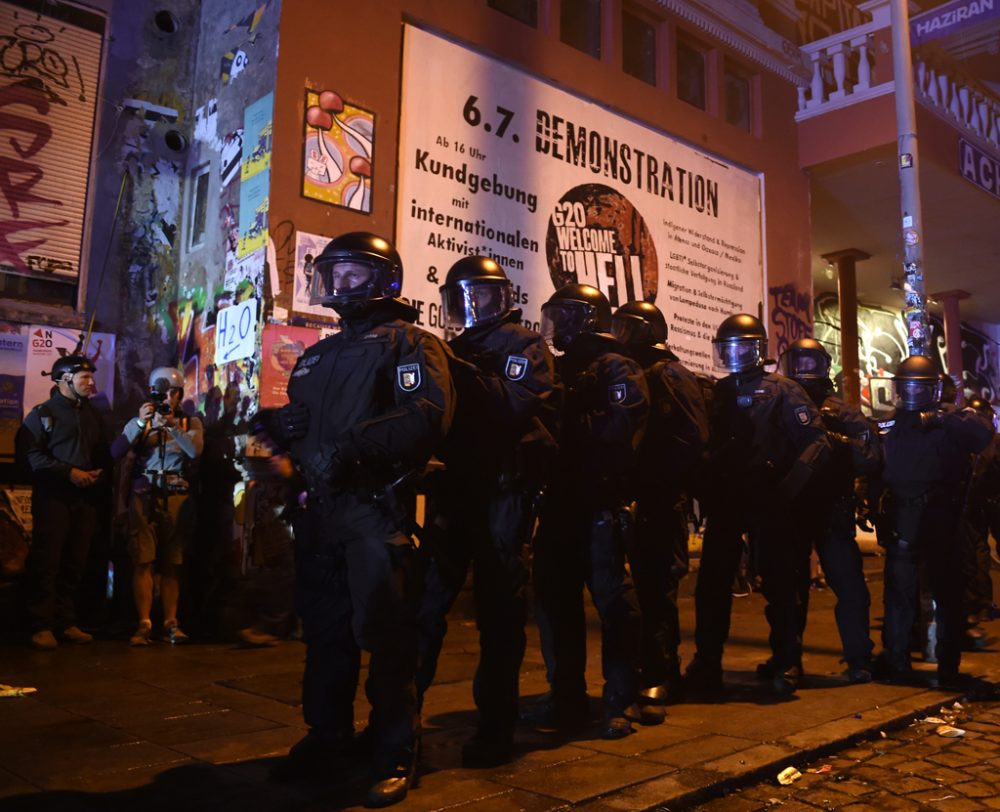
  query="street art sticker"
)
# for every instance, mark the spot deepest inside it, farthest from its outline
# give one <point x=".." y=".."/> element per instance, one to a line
<point x="557" y="189"/>
<point x="49" y="73"/>
<point x="248" y="271"/>
<point x="339" y="151"/>
<point x="307" y="248"/>
<point x="255" y="175"/>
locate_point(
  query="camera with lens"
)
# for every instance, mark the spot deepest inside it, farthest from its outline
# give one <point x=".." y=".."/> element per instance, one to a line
<point x="159" y="400"/>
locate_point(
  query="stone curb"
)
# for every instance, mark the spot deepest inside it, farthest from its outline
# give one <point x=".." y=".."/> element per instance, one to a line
<point x="763" y="764"/>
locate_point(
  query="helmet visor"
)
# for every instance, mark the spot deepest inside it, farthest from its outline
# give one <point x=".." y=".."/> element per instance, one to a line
<point x="632" y="331"/>
<point x="805" y="364"/>
<point x="564" y="321"/>
<point x="339" y="280"/>
<point x="739" y="355"/>
<point x="916" y="394"/>
<point x="471" y="302"/>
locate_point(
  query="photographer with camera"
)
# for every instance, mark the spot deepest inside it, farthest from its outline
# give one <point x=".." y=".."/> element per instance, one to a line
<point x="161" y="512"/>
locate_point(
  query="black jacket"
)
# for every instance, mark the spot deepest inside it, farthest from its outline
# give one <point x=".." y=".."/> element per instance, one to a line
<point x="61" y="434"/>
<point x="766" y="440"/>
<point x="603" y="421"/>
<point x="505" y="382"/>
<point x="380" y="399"/>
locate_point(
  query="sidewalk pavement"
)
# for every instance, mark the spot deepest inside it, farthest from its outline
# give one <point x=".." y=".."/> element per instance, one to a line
<point x="197" y="727"/>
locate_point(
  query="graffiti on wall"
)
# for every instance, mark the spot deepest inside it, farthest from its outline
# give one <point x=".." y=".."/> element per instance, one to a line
<point x="338" y="155"/>
<point x="882" y="335"/>
<point x="789" y="315"/>
<point x="49" y="72"/>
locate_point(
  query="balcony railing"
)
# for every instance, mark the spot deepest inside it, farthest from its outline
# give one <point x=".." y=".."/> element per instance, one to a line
<point x="856" y="65"/>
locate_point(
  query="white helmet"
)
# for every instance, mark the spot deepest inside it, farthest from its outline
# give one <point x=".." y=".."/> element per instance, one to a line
<point x="163" y="379"/>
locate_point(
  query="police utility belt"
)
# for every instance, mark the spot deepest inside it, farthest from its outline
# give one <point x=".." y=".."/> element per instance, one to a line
<point x="167" y="481"/>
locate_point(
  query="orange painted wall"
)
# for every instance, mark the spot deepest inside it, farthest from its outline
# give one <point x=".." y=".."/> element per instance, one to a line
<point x="356" y="48"/>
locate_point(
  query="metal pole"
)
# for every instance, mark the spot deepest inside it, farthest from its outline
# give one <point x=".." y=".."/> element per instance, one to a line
<point x="915" y="308"/>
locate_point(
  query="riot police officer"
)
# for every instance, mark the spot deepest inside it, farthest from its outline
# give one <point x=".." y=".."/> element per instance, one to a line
<point x="765" y="441"/>
<point x="368" y="406"/>
<point x="669" y="459"/>
<point x="920" y="514"/>
<point x="484" y="501"/>
<point x="584" y="524"/>
<point x="826" y="509"/>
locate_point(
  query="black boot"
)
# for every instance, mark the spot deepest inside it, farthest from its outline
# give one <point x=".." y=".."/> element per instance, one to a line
<point x="391" y="785"/>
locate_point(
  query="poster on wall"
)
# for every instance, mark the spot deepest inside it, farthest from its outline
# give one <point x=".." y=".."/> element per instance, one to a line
<point x="13" y="356"/>
<point x="46" y="344"/>
<point x="338" y="153"/>
<point x="255" y="175"/>
<point x="282" y="346"/>
<point x="49" y="81"/>
<point x="558" y="189"/>
<point x="307" y="248"/>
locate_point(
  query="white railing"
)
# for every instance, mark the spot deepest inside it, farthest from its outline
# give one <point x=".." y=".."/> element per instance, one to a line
<point x="843" y="66"/>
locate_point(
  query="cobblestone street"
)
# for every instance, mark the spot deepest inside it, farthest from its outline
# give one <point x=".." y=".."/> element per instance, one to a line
<point x="915" y="767"/>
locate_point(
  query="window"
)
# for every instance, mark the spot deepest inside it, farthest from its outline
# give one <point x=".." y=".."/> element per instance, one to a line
<point x="691" y="73"/>
<point x="34" y="289"/>
<point x="738" y="98"/>
<point x="638" y="48"/>
<point x="580" y="25"/>
<point x="525" y="11"/>
<point x="198" y="206"/>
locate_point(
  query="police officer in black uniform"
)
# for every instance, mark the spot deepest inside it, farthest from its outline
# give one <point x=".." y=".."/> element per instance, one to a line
<point x="670" y="457"/>
<point x="766" y="439"/>
<point x="584" y="525"/>
<point x="368" y="406"/>
<point x="484" y="502"/>
<point x="826" y="507"/>
<point x="63" y="445"/>
<point x="920" y="513"/>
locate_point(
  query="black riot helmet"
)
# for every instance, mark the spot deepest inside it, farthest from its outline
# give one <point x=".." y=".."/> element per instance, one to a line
<point x="740" y="344"/>
<point x="805" y="360"/>
<point x="572" y="311"/>
<point x="916" y="384"/>
<point x="948" y="390"/>
<point x="354" y="270"/>
<point x="70" y="365"/>
<point x="640" y="324"/>
<point x="476" y="291"/>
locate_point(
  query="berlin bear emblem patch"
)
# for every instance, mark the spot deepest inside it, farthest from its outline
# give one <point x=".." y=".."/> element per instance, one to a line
<point x="516" y="368"/>
<point x="802" y="415"/>
<point x="616" y="393"/>
<point x="408" y="377"/>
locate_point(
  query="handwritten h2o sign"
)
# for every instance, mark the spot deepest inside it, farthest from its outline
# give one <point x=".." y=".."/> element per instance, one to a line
<point x="236" y="332"/>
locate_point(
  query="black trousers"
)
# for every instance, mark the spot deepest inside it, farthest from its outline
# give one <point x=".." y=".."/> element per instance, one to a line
<point x="490" y="529"/>
<point x="782" y="556"/>
<point x="833" y="536"/>
<point x="937" y="549"/>
<point x="576" y="546"/>
<point x="356" y="588"/>
<point x="658" y="559"/>
<point x="64" y="523"/>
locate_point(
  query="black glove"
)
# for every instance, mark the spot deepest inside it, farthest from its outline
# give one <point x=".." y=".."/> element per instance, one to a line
<point x="290" y="422"/>
<point x="794" y="481"/>
<point x="930" y="420"/>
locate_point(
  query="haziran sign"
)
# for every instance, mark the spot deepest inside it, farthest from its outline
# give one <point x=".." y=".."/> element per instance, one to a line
<point x="558" y="189"/>
<point x="979" y="168"/>
<point x="951" y="17"/>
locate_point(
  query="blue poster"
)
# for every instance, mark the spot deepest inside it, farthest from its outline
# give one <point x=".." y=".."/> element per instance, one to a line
<point x="13" y="357"/>
<point x="255" y="175"/>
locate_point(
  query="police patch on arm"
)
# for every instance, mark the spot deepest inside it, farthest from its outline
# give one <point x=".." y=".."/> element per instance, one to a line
<point x="617" y="393"/>
<point x="516" y="367"/>
<point x="409" y="377"/>
<point x="802" y="415"/>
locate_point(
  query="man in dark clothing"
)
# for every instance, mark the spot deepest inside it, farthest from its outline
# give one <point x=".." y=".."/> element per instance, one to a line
<point x="484" y="502"/>
<point x="765" y="441"/>
<point x="585" y="524"/>
<point x="984" y="487"/>
<point x="368" y="406"/>
<point x="63" y="443"/>
<point x="669" y="458"/>
<point x="924" y="449"/>
<point x="826" y="507"/>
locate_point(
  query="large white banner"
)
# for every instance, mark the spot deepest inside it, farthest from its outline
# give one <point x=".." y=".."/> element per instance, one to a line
<point x="557" y="189"/>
